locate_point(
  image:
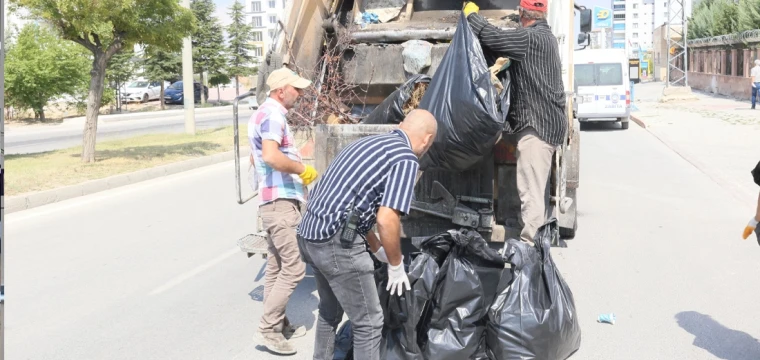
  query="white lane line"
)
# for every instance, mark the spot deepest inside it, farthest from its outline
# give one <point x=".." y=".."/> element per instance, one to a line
<point x="183" y="277"/>
<point x="31" y="214"/>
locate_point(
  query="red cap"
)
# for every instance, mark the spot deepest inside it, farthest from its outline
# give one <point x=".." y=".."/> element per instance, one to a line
<point x="535" y="5"/>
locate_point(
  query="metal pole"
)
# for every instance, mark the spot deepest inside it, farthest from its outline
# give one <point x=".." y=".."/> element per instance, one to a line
<point x="188" y="90"/>
<point x="685" y="48"/>
<point x="2" y="182"/>
<point x="667" y="55"/>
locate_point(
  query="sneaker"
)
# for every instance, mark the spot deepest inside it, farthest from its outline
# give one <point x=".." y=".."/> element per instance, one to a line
<point x="293" y="331"/>
<point x="275" y="342"/>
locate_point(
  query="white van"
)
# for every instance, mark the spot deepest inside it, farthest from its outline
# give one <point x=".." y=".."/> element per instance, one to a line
<point x="602" y="86"/>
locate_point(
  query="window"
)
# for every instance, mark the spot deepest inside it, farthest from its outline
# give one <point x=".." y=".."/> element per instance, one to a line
<point x="599" y="74"/>
<point x="635" y="16"/>
<point x="255" y="6"/>
<point x="619" y="17"/>
<point x="619" y="7"/>
<point x="635" y="35"/>
<point x="256" y="21"/>
<point x="618" y="27"/>
<point x="272" y="4"/>
<point x="257" y="36"/>
<point x="272" y="19"/>
<point x="257" y="51"/>
<point x="635" y="25"/>
<point x="635" y="6"/>
<point x="271" y="33"/>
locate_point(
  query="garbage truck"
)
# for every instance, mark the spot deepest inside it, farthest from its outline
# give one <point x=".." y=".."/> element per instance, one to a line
<point x="484" y="197"/>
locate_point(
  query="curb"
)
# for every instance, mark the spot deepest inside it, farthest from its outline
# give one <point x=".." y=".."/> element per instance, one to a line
<point x="148" y="114"/>
<point x="35" y="199"/>
<point x="638" y="121"/>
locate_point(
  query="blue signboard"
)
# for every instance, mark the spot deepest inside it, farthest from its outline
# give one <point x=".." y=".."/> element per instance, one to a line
<point x="602" y="18"/>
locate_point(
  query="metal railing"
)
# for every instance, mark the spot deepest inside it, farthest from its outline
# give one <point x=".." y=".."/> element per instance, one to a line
<point x="236" y="127"/>
<point x="749" y="36"/>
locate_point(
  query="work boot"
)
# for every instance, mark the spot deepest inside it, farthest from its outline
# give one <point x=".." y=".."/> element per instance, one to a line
<point x="291" y="331"/>
<point x="275" y="342"/>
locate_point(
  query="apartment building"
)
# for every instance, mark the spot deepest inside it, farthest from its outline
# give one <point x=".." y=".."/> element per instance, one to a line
<point x="263" y="16"/>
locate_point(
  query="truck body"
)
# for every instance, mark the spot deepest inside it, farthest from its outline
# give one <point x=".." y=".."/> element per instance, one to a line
<point x="484" y="197"/>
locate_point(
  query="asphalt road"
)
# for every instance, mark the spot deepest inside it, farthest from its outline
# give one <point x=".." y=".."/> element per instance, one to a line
<point x="151" y="271"/>
<point x="41" y="138"/>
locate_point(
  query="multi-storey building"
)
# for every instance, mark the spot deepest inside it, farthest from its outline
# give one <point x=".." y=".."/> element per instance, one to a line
<point x="263" y="16"/>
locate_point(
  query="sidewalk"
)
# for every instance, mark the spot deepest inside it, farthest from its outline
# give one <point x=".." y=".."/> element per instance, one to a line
<point x="719" y="136"/>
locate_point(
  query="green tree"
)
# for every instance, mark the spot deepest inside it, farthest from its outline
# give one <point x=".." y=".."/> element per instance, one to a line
<point x="40" y="67"/>
<point x="749" y="15"/>
<point x="714" y="18"/>
<point x="161" y="65"/>
<point x="217" y="80"/>
<point x="208" y="41"/>
<point x="240" y="35"/>
<point x="121" y="68"/>
<point x="105" y="27"/>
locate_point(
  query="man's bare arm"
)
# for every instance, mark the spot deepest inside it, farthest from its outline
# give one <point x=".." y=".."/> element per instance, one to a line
<point x="272" y="156"/>
<point x="389" y="226"/>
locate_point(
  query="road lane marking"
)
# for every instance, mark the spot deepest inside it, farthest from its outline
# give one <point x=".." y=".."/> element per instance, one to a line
<point x="203" y="267"/>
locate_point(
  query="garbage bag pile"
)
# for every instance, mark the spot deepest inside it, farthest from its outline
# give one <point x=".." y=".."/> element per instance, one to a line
<point x="471" y="108"/>
<point x="464" y="304"/>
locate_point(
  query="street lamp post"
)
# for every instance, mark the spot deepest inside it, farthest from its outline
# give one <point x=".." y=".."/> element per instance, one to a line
<point x="188" y="91"/>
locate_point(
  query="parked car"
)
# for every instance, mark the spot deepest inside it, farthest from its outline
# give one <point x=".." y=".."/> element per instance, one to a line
<point x="142" y="91"/>
<point x="174" y="93"/>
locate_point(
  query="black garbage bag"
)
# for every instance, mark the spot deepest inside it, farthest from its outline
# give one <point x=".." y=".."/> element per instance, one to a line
<point x="465" y="103"/>
<point x="402" y="314"/>
<point x="344" y="343"/>
<point x="390" y="111"/>
<point x="534" y="316"/>
<point x="455" y="319"/>
<point x="756" y="174"/>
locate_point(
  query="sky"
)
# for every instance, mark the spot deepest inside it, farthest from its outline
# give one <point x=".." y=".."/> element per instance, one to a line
<point x="223" y="7"/>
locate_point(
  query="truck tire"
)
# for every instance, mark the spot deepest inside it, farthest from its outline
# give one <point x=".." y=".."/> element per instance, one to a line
<point x="568" y="222"/>
<point x="569" y="233"/>
<point x="624" y="124"/>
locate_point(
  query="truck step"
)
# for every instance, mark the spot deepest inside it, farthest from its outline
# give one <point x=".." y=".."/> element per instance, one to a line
<point x="254" y="244"/>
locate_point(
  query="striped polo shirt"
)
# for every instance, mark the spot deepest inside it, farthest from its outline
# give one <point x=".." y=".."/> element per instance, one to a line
<point x="374" y="171"/>
<point x="538" y="94"/>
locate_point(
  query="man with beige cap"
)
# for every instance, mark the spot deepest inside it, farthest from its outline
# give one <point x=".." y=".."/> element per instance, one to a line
<point x="282" y="179"/>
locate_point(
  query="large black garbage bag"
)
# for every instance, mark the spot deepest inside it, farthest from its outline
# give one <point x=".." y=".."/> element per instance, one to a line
<point x="465" y="287"/>
<point x="344" y="343"/>
<point x="390" y="111"/>
<point x="402" y="314"/>
<point x="465" y="104"/>
<point x="534" y="316"/>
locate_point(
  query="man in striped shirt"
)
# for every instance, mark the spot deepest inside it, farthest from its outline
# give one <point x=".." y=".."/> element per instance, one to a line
<point x="371" y="180"/>
<point x="537" y="112"/>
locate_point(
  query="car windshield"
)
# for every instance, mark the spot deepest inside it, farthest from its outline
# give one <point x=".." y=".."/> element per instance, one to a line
<point x="138" y="84"/>
<point x="176" y="86"/>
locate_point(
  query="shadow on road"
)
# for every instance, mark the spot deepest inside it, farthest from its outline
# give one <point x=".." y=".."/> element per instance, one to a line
<point x="601" y="126"/>
<point x="303" y="303"/>
<point x="722" y="342"/>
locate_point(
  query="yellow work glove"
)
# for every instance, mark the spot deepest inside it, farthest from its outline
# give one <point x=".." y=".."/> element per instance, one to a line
<point x="749" y="228"/>
<point x="308" y="175"/>
<point x="469" y="8"/>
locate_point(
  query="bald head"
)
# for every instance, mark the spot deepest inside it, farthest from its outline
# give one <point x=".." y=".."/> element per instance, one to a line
<point x="421" y="127"/>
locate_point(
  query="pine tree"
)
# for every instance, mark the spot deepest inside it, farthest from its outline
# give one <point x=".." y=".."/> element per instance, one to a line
<point x="749" y="15"/>
<point x="161" y="65"/>
<point x="240" y="35"/>
<point x="208" y="41"/>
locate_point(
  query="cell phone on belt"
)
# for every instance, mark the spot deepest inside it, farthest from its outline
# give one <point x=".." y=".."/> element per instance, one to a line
<point x="349" y="229"/>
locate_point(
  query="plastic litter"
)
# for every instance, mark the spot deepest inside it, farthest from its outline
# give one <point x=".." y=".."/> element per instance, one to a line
<point x="606" y="318"/>
<point x="534" y="316"/>
<point x="344" y="343"/>
<point x="470" y="112"/>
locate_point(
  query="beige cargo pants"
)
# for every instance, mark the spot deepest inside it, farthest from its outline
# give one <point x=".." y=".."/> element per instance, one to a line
<point x="534" y="164"/>
<point x="285" y="269"/>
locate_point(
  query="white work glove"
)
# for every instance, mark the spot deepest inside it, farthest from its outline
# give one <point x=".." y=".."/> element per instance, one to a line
<point x="380" y="255"/>
<point x="397" y="278"/>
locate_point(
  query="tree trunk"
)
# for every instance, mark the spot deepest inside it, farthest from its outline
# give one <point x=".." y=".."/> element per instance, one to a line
<point x="203" y="98"/>
<point x="161" y="97"/>
<point x="218" y="94"/>
<point x="97" y="75"/>
<point x="237" y="86"/>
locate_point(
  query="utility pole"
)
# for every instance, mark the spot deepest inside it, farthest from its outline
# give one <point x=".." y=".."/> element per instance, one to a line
<point x="188" y="88"/>
<point x="2" y="181"/>
<point x="677" y="69"/>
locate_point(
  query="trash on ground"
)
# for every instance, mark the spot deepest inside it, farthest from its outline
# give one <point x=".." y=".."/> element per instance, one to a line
<point x="607" y="318"/>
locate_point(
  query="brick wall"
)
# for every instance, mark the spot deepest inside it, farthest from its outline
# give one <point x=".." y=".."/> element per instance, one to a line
<point x="737" y="87"/>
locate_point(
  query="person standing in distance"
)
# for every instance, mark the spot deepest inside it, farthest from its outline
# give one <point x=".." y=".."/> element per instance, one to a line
<point x="370" y="181"/>
<point x="755" y="75"/>
<point x="282" y="179"/>
<point x="537" y="113"/>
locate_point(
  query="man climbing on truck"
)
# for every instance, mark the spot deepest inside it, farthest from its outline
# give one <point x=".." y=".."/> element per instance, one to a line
<point x="537" y="113"/>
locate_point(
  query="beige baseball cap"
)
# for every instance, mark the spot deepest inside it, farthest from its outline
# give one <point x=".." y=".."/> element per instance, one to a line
<point x="284" y="76"/>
